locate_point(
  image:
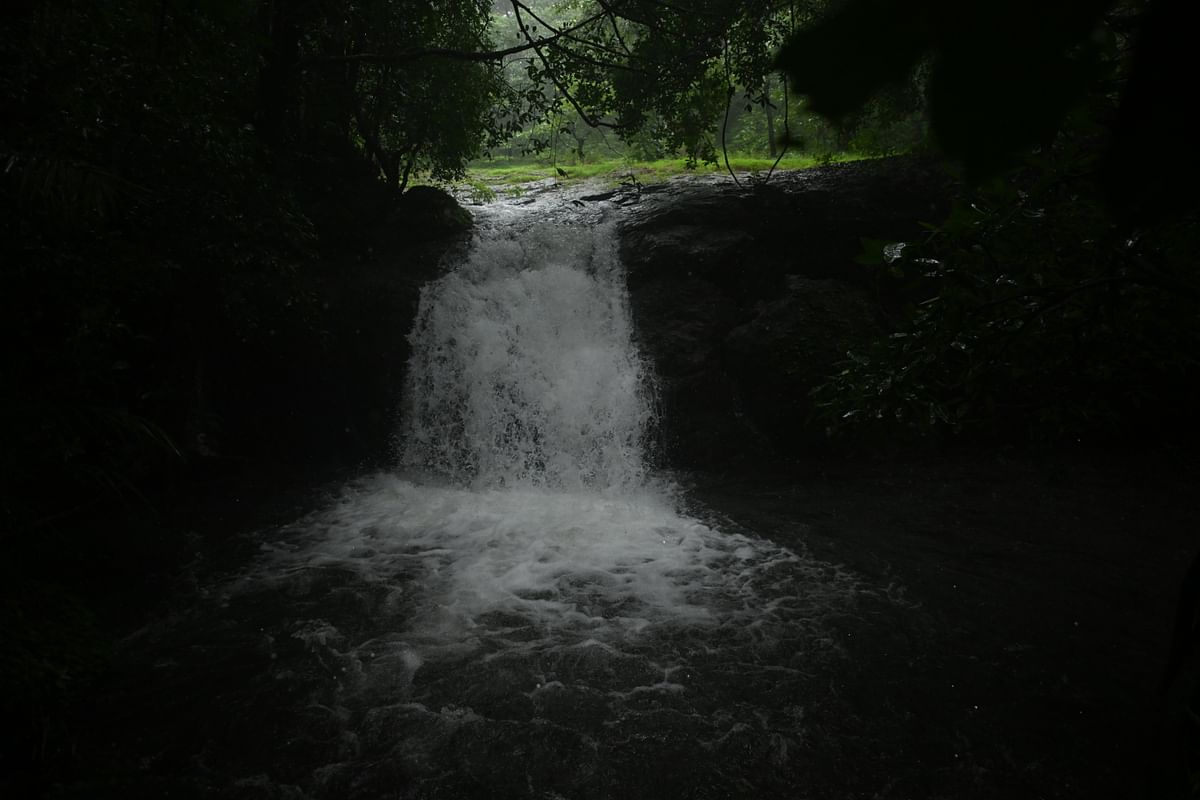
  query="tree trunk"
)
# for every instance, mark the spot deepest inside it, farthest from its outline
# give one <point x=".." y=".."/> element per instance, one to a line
<point x="408" y="168"/>
<point x="388" y="163"/>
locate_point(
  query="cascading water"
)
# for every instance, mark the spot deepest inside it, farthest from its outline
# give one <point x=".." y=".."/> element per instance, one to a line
<point x="522" y="611"/>
<point x="524" y="371"/>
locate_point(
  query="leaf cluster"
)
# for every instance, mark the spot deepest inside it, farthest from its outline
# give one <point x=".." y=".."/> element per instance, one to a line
<point x="660" y="74"/>
<point x="1028" y="315"/>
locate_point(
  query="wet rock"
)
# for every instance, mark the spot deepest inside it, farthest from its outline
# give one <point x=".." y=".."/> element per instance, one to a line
<point x="746" y="297"/>
<point x="682" y="325"/>
<point x="791" y="346"/>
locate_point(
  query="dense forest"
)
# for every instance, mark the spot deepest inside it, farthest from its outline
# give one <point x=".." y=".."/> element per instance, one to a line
<point x="184" y="184"/>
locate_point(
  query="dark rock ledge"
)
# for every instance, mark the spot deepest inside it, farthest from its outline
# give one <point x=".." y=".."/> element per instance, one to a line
<point x="746" y="297"/>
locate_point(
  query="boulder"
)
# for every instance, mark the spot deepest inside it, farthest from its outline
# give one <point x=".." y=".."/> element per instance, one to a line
<point x="426" y="212"/>
<point x="745" y="298"/>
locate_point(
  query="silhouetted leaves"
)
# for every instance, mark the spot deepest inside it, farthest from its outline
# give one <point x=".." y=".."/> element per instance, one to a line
<point x="847" y="56"/>
<point x="1003" y="75"/>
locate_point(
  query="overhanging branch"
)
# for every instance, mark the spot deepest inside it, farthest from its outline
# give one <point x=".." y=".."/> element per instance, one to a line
<point x="452" y="53"/>
<point x="590" y="120"/>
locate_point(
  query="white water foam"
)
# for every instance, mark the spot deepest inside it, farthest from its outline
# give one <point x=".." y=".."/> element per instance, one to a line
<point x="554" y="566"/>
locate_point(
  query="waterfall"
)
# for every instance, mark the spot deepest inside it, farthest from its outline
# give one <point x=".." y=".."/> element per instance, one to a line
<point x="524" y="493"/>
<point x="523" y="368"/>
<point x="523" y="584"/>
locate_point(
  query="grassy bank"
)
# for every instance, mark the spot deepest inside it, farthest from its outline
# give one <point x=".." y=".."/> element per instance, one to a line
<point x="503" y="175"/>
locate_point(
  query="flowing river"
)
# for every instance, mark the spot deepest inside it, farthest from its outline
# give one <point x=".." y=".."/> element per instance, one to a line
<point x="524" y="607"/>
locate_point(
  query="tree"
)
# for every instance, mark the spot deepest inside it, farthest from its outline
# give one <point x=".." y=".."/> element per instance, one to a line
<point x="667" y="69"/>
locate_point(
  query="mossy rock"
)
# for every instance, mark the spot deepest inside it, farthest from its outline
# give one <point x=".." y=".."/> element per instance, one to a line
<point x="426" y="212"/>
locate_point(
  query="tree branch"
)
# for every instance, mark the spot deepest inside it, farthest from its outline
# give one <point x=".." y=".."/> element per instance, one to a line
<point x="593" y="122"/>
<point x="451" y="53"/>
<point x="566" y="34"/>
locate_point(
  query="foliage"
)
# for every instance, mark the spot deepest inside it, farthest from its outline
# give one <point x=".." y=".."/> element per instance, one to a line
<point x="410" y="114"/>
<point x="480" y="192"/>
<point x="665" y="77"/>
<point x="1028" y="315"/>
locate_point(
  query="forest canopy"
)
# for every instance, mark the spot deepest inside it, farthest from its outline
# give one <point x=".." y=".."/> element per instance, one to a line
<point x="423" y="87"/>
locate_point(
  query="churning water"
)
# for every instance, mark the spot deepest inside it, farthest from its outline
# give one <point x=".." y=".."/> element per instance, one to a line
<point x="524" y="371"/>
<point x="523" y="610"/>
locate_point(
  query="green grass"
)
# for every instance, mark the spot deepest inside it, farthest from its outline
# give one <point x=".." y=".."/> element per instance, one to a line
<point x="505" y="177"/>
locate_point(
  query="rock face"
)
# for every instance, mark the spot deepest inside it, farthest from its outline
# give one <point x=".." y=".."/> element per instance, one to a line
<point x="747" y="297"/>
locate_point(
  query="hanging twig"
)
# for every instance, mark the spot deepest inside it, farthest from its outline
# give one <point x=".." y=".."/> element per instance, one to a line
<point x="612" y="18"/>
<point x="787" y="131"/>
<point x="787" y="134"/>
<point x="566" y="34"/>
<point x="729" y="92"/>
